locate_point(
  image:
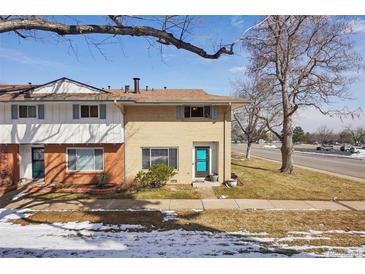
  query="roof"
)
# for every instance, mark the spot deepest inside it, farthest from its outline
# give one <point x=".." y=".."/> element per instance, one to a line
<point x="8" y="88"/>
<point x="156" y="96"/>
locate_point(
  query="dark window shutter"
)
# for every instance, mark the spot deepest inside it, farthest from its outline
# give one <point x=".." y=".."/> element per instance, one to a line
<point x="75" y="111"/>
<point x="214" y="112"/>
<point x="41" y="112"/>
<point x="145" y="158"/>
<point x="179" y="112"/>
<point x="102" y="111"/>
<point x="14" y="112"/>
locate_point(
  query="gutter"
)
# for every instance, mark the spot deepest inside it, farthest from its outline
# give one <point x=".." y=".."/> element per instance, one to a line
<point x="132" y="102"/>
<point x="224" y="141"/>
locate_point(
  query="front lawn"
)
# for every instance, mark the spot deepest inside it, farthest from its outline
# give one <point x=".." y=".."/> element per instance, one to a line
<point x="262" y="180"/>
<point x="166" y="192"/>
<point x="284" y="232"/>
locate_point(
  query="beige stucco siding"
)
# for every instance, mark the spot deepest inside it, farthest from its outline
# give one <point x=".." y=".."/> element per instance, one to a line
<point x="157" y="126"/>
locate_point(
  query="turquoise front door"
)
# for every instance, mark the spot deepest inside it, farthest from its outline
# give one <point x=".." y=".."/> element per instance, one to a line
<point x="38" y="162"/>
<point x="201" y="162"/>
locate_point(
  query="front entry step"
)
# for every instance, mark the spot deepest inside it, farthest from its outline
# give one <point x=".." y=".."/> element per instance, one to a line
<point x="203" y="183"/>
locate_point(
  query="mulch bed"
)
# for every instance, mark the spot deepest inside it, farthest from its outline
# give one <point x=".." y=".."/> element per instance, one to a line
<point x="91" y="189"/>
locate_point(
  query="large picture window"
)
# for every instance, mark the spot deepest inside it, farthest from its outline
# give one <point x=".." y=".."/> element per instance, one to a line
<point x="27" y="111"/>
<point x="153" y="156"/>
<point x="85" y="159"/>
<point x="197" y="112"/>
<point x="89" y="111"/>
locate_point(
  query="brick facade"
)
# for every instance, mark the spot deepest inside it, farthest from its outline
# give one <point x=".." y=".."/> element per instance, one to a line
<point x="55" y="164"/>
<point x="9" y="162"/>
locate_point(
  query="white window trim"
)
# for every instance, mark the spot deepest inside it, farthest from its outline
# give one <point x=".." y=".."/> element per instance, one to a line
<point x="198" y="118"/>
<point x="97" y="105"/>
<point x="194" y="158"/>
<point x="85" y="171"/>
<point x="168" y="156"/>
<point x="27" y="105"/>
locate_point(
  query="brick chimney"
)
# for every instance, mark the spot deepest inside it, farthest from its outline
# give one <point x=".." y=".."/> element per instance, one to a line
<point x="136" y="85"/>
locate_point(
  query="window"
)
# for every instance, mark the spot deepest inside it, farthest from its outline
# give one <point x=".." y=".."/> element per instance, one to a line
<point x="197" y="112"/>
<point x="85" y="159"/>
<point x="27" y="111"/>
<point x="153" y="156"/>
<point x="89" y="111"/>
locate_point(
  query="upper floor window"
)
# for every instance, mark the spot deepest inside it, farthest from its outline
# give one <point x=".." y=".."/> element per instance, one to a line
<point x="26" y="111"/>
<point x="197" y="112"/>
<point x="89" y="111"/>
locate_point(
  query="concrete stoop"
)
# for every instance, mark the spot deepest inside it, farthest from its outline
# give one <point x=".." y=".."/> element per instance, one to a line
<point x="204" y="184"/>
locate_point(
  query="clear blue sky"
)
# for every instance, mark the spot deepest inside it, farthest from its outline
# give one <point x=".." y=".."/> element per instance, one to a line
<point x="45" y="59"/>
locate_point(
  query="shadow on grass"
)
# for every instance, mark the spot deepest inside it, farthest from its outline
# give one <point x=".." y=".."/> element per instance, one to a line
<point x="224" y="244"/>
<point x="252" y="167"/>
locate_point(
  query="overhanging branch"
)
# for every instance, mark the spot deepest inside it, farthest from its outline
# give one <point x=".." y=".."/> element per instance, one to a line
<point x="41" y="24"/>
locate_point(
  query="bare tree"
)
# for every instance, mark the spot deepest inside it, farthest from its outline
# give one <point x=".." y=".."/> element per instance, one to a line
<point x="324" y="135"/>
<point x="249" y="117"/>
<point x="165" y="30"/>
<point x="309" y="58"/>
<point x="357" y="135"/>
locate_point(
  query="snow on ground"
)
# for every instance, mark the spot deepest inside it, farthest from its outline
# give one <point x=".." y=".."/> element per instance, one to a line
<point x="85" y="239"/>
<point x="360" y="154"/>
<point x="270" y="146"/>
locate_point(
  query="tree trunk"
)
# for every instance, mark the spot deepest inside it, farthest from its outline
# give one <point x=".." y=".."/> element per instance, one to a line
<point x="287" y="147"/>
<point x="248" y="150"/>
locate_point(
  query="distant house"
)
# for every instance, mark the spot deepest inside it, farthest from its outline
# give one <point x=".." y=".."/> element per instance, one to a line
<point x="70" y="132"/>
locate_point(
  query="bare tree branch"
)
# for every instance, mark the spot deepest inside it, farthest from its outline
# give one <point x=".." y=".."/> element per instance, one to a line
<point x="163" y="36"/>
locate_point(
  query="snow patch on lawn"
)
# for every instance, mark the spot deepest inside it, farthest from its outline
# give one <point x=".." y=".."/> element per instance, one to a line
<point x="169" y="215"/>
<point x="85" y="239"/>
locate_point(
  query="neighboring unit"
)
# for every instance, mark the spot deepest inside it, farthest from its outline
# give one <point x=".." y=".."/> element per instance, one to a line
<point x="66" y="131"/>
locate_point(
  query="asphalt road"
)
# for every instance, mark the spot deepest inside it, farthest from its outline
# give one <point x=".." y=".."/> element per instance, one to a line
<point x="349" y="167"/>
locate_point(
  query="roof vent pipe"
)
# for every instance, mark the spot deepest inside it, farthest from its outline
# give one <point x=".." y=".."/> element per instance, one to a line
<point x="30" y="83"/>
<point x="126" y="88"/>
<point x="164" y="87"/>
<point x="108" y="87"/>
<point x="146" y="88"/>
<point x="136" y="85"/>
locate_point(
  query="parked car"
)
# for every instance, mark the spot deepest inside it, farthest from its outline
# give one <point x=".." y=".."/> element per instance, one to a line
<point x="325" y="147"/>
<point x="354" y="150"/>
<point x="345" y="147"/>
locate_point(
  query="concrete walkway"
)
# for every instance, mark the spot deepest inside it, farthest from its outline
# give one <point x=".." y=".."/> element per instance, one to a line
<point x="186" y="204"/>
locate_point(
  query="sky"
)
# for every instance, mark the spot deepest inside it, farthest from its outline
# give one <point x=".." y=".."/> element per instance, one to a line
<point x="50" y="57"/>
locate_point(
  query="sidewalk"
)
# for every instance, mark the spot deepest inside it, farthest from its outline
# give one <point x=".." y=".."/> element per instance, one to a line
<point x="186" y="204"/>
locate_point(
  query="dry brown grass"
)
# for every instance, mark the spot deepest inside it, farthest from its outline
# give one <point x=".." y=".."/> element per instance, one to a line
<point x="273" y="222"/>
<point x="166" y="192"/>
<point x="277" y="224"/>
<point x="262" y="180"/>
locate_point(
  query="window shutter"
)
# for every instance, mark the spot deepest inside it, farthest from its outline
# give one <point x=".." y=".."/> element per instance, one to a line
<point x="102" y="111"/>
<point x="214" y="112"/>
<point x="14" y="112"/>
<point x="75" y="111"/>
<point x="41" y="112"/>
<point x="179" y="112"/>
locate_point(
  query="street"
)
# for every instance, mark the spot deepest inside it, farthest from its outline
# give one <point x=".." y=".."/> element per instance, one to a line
<point x="343" y="166"/>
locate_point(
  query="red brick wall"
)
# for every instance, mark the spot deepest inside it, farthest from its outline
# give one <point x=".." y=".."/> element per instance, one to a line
<point x="55" y="164"/>
<point x="9" y="161"/>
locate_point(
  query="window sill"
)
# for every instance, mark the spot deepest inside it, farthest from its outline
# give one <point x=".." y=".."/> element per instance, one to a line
<point x="85" y="171"/>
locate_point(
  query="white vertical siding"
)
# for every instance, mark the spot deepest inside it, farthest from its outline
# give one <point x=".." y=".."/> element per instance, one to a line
<point x="59" y="127"/>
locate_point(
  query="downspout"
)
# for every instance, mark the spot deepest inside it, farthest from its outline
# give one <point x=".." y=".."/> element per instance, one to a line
<point x="224" y="141"/>
<point x="122" y="110"/>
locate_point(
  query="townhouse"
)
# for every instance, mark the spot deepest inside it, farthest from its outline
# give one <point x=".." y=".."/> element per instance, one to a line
<point x="67" y="131"/>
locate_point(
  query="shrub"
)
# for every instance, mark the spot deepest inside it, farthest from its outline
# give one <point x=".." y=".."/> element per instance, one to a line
<point x="156" y="176"/>
<point x="102" y="180"/>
